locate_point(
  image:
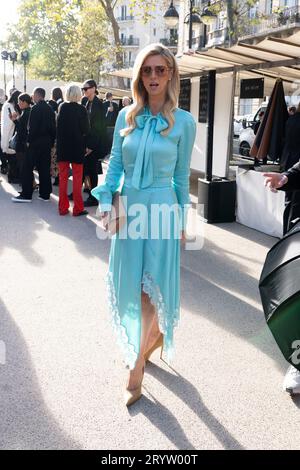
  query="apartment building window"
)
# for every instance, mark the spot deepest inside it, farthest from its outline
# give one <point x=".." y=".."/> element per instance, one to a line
<point x="123" y="12"/>
<point x="269" y="7"/>
<point x="154" y="31"/>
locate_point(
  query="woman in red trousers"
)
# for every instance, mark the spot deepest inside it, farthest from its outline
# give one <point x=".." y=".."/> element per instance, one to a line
<point x="72" y="129"/>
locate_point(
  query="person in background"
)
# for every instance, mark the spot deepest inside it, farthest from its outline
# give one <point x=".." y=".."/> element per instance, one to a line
<point x="54" y="102"/>
<point x="2" y="101"/>
<point x="292" y="110"/>
<point x="290" y="156"/>
<point x="72" y="129"/>
<point x="7" y="130"/>
<point x="111" y="110"/>
<point x="126" y="101"/>
<point x="96" y="137"/>
<point x="56" y="98"/>
<point x="41" y="137"/>
<point x="21" y="123"/>
<point x="255" y="130"/>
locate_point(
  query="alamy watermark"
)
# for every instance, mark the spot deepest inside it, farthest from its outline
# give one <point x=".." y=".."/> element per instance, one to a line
<point x="295" y="357"/>
<point x="160" y="222"/>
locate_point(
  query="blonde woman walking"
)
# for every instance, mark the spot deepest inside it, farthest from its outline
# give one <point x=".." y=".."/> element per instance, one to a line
<point x="152" y="146"/>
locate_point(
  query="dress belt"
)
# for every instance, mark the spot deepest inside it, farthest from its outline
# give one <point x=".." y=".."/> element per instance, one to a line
<point x="158" y="182"/>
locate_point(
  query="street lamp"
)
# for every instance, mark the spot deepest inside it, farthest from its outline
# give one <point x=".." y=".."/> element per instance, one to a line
<point x="4" y="57"/>
<point x="194" y="16"/>
<point x="13" y="57"/>
<point x="171" y="16"/>
<point x="25" y="60"/>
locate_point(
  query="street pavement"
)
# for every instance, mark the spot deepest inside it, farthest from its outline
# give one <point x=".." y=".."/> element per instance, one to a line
<point x="61" y="372"/>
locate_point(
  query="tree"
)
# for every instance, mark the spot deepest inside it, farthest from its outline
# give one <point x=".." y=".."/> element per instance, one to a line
<point x="237" y="16"/>
<point x="46" y="28"/>
<point x="90" y="46"/>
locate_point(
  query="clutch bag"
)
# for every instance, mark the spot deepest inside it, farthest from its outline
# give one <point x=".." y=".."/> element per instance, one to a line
<point x="117" y="216"/>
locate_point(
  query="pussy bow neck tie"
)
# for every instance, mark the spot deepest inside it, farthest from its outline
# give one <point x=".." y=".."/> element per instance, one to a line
<point x="143" y="168"/>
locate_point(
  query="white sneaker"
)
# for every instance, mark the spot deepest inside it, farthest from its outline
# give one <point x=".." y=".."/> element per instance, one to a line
<point x="291" y="383"/>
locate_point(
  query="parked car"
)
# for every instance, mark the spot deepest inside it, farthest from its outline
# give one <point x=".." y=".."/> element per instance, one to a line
<point x="247" y="136"/>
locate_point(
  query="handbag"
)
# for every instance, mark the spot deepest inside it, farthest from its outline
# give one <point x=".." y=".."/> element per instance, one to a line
<point x="117" y="216"/>
<point x="13" y="141"/>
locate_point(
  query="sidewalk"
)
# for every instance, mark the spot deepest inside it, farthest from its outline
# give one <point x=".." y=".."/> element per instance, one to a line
<point x="62" y="384"/>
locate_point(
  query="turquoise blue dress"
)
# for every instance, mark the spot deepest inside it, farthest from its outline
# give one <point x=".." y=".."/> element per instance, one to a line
<point x="152" y="171"/>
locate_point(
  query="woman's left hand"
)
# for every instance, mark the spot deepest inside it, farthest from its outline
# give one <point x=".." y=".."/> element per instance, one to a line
<point x="182" y="237"/>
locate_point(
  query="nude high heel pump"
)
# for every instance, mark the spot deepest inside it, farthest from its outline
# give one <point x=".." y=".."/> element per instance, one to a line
<point x="131" y="396"/>
<point x="158" y="344"/>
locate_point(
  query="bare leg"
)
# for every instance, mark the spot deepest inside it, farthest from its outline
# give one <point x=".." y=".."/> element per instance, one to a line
<point x="148" y="316"/>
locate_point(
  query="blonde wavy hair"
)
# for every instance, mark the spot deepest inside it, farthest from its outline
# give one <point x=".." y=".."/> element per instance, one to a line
<point x="140" y="95"/>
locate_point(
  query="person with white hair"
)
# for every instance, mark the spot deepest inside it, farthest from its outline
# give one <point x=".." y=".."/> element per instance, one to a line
<point x="126" y="101"/>
<point x="2" y="101"/>
<point x="72" y="130"/>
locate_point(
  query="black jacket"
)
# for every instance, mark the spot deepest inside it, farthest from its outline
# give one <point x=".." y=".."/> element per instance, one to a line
<point x="110" y="116"/>
<point x="293" y="175"/>
<point x="72" y="129"/>
<point x="96" y="139"/>
<point x="291" y="151"/>
<point x="42" y="125"/>
<point x="21" y="130"/>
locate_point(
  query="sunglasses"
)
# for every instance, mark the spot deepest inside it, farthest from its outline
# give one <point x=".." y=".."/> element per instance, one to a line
<point x="86" y="88"/>
<point x="160" y="70"/>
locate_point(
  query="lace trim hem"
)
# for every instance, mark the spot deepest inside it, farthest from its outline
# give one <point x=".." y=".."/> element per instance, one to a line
<point x="166" y="322"/>
<point x="120" y="331"/>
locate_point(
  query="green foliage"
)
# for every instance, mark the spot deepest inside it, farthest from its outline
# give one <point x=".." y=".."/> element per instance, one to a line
<point x="90" y="46"/>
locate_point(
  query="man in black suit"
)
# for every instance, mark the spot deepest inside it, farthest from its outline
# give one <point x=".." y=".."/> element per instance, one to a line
<point x="96" y="139"/>
<point x="40" y="139"/>
<point x="287" y="181"/>
<point x="291" y="156"/>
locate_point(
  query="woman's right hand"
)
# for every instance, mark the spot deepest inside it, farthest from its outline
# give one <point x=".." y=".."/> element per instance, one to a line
<point x="103" y="215"/>
<point x="104" y="220"/>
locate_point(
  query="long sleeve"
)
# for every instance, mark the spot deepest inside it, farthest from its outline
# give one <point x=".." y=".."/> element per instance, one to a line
<point x="180" y="180"/>
<point x="115" y="171"/>
<point x="7" y="129"/>
<point x="293" y="175"/>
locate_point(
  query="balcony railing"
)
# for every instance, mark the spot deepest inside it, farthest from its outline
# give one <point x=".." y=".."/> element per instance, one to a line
<point x="125" y="18"/>
<point x="128" y="64"/>
<point x="169" y="42"/>
<point x="285" y="18"/>
<point x="130" y="41"/>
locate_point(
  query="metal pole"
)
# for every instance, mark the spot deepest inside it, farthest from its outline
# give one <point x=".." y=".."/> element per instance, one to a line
<point x="191" y="24"/>
<point x="4" y="77"/>
<point x="14" y="82"/>
<point x="210" y="123"/>
<point x="24" y="76"/>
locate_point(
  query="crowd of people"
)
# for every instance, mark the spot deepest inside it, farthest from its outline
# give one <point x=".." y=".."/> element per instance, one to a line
<point x="50" y="136"/>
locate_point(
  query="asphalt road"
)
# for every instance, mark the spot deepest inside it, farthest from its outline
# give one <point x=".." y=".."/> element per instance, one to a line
<point x="61" y="372"/>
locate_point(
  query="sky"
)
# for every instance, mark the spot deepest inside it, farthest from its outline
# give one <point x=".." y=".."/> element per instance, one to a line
<point x="8" y="14"/>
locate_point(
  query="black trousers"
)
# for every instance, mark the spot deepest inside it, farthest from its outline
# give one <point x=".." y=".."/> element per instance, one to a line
<point x="13" y="168"/>
<point x="38" y="156"/>
<point x="4" y="162"/>
<point x="292" y="209"/>
<point x="91" y="167"/>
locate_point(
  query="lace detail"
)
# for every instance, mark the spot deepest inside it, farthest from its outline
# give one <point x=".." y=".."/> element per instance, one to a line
<point x="120" y="331"/>
<point x="167" y="322"/>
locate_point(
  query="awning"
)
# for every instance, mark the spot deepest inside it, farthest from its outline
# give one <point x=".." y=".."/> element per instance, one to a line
<point x="116" y="92"/>
<point x="270" y="58"/>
